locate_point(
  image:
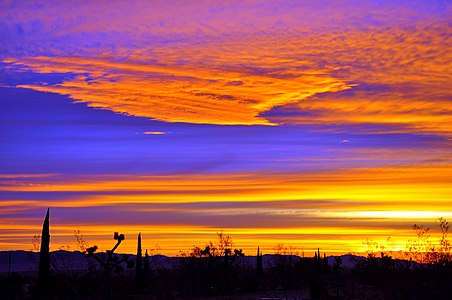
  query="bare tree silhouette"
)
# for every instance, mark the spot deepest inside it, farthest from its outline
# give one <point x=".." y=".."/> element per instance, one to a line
<point x="112" y="263"/>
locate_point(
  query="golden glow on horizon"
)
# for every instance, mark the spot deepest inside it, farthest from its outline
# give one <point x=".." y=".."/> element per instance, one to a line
<point x="308" y="210"/>
<point x="173" y="239"/>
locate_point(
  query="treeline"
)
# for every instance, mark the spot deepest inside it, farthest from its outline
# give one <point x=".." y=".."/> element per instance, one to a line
<point x="218" y="270"/>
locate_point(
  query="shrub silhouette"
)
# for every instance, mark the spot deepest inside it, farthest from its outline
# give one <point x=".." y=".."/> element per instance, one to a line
<point x="212" y="269"/>
<point x="426" y="251"/>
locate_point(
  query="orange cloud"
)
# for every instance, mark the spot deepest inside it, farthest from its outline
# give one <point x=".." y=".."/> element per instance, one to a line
<point x="182" y="93"/>
<point x="401" y="75"/>
<point x="395" y="77"/>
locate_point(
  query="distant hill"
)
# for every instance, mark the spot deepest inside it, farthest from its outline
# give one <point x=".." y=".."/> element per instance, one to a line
<point x="27" y="261"/>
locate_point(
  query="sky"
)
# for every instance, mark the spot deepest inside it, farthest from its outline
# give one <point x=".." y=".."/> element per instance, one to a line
<point x="317" y="124"/>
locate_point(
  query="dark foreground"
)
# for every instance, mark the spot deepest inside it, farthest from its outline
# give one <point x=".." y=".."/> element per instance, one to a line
<point x="281" y="277"/>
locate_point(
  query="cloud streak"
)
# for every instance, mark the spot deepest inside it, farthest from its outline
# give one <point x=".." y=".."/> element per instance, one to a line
<point x="303" y="208"/>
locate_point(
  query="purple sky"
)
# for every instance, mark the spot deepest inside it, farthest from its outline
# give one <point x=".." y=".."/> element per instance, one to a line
<point x="265" y="110"/>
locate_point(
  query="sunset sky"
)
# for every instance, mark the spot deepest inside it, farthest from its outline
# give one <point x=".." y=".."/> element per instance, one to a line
<point x="309" y="123"/>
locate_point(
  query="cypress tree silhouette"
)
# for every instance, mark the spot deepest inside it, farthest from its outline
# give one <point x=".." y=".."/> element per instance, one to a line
<point x="259" y="268"/>
<point x="146" y="270"/>
<point x="44" y="258"/>
<point x="146" y="274"/>
<point x="259" y="262"/>
<point x="139" y="265"/>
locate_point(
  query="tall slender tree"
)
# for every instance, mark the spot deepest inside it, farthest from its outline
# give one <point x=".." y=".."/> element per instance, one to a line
<point x="44" y="258"/>
<point x="146" y="270"/>
<point x="139" y="261"/>
<point x="259" y="270"/>
<point x="259" y="261"/>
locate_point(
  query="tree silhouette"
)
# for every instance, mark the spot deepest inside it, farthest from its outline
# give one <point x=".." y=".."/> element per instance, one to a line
<point x="445" y="246"/>
<point x="213" y="265"/>
<point x="259" y="269"/>
<point x="146" y="269"/>
<point x="111" y="263"/>
<point x="138" y="264"/>
<point x="44" y="259"/>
